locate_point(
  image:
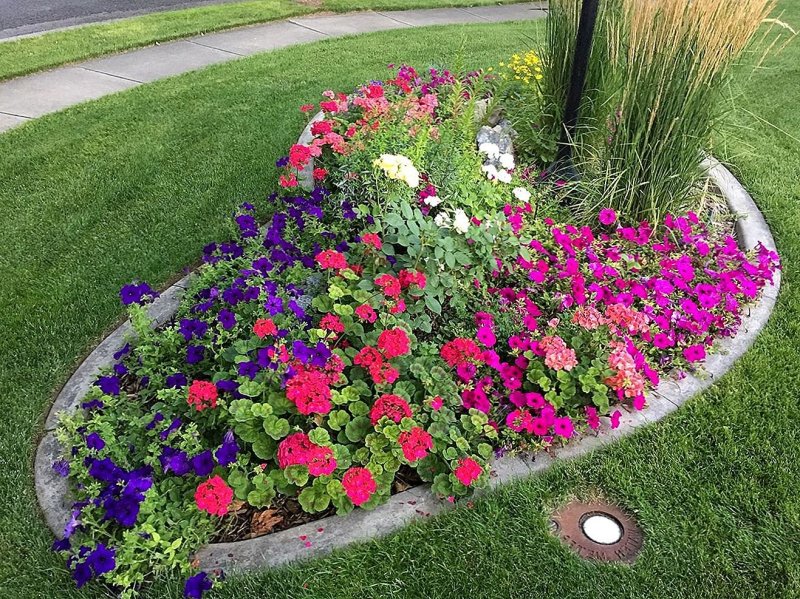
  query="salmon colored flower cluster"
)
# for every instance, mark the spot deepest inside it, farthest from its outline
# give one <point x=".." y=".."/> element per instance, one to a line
<point x="556" y="353"/>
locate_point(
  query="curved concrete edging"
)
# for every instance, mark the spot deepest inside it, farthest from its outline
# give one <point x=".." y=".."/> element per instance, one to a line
<point x="31" y="96"/>
<point x="360" y="525"/>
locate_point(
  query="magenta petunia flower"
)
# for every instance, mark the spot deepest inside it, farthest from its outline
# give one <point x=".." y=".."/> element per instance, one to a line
<point x="607" y="216"/>
<point x="694" y="353"/>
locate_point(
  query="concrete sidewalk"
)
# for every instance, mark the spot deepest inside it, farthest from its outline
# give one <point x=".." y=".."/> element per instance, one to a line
<point x="35" y="95"/>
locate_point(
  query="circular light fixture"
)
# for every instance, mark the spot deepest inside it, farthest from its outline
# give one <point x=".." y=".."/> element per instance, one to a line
<point x="598" y="531"/>
<point x="602" y="528"/>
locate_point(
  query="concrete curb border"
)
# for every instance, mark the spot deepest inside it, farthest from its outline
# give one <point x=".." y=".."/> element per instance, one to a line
<point x="360" y="525"/>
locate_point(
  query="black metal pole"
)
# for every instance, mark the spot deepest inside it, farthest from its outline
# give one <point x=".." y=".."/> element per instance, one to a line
<point x="563" y="165"/>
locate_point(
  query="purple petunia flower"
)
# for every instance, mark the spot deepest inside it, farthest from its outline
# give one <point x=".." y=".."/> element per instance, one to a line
<point x="197" y="585"/>
<point x="227" y="319"/>
<point x="123" y="351"/>
<point x="176" y="381"/>
<point x="120" y="369"/>
<point x="61" y="467"/>
<point x="125" y="509"/>
<point x="173" y="426"/>
<point x="226" y="454"/>
<point x="81" y="574"/>
<point x="95" y="441"/>
<point x="174" y="460"/>
<point x="102" y="559"/>
<point x="248" y="369"/>
<point x="105" y="470"/>
<point x="156" y="419"/>
<point x="194" y="354"/>
<point x="192" y="328"/>
<point x="93" y="404"/>
<point x="108" y="384"/>
<point x="136" y="293"/>
<point x="203" y="463"/>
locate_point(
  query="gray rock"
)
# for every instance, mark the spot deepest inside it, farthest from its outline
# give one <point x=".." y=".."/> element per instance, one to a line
<point x="502" y="135"/>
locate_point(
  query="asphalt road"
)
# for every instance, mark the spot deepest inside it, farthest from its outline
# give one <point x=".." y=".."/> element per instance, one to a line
<point x="22" y="17"/>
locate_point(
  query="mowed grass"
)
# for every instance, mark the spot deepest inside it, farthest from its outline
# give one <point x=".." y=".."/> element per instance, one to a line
<point x="35" y="53"/>
<point x="135" y="184"/>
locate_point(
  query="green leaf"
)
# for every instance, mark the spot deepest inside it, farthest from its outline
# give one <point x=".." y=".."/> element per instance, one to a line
<point x="394" y="219"/>
<point x="264" y="448"/>
<point x="358" y="408"/>
<point x="275" y="427"/>
<point x="251" y="388"/>
<point x="433" y="305"/>
<point x="307" y="499"/>
<point x="358" y="428"/>
<point x="319" y="436"/>
<point x="296" y="474"/>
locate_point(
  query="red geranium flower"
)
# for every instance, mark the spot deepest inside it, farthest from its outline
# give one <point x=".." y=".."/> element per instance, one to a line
<point x="394" y="407"/>
<point x="460" y="350"/>
<point x="331" y="259"/>
<point x="394" y="343"/>
<point x="213" y="496"/>
<point x="202" y="395"/>
<point x="310" y="392"/>
<point x="299" y="155"/>
<point x="321" y="127"/>
<point x="359" y="485"/>
<point x="367" y="313"/>
<point x="468" y="471"/>
<point x="412" y="277"/>
<point x="331" y="322"/>
<point x="372" y="239"/>
<point x="264" y="327"/>
<point x="415" y="443"/>
<point x="389" y="284"/>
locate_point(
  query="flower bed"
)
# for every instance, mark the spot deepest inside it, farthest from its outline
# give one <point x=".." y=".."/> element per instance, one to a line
<point x="411" y="314"/>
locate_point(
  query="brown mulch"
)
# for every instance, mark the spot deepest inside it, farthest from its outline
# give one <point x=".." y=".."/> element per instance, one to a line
<point x="247" y="522"/>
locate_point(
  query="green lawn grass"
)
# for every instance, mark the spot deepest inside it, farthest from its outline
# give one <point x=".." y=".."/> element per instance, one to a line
<point x="135" y="184"/>
<point x="30" y="54"/>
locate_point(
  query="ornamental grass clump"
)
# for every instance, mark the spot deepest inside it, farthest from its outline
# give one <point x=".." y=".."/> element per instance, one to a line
<point x="673" y="69"/>
<point x="652" y="96"/>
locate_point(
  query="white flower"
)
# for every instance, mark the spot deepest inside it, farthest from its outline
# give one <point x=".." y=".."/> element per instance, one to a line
<point x="522" y="194"/>
<point x="410" y="175"/>
<point x="504" y="176"/>
<point x="490" y="170"/>
<point x="491" y="150"/>
<point x="399" y="168"/>
<point x="433" y="201"/>
<point x="442" y="220"/>
<point x="461" y="221"/>
<point x="507" y="161"/>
